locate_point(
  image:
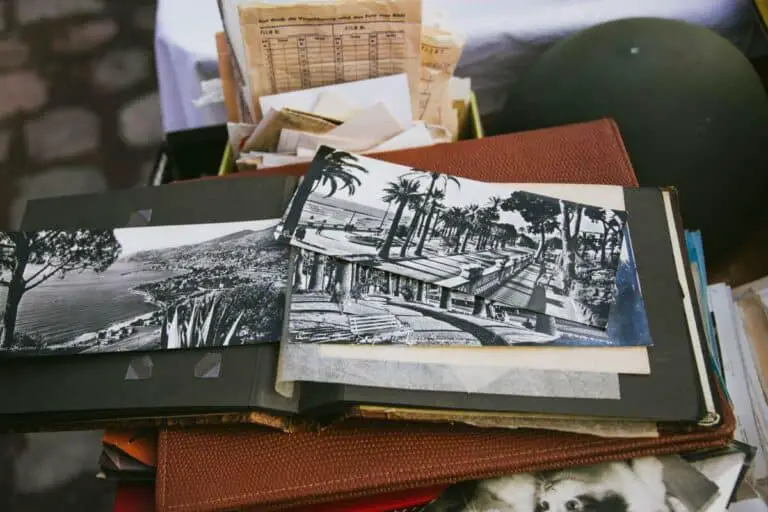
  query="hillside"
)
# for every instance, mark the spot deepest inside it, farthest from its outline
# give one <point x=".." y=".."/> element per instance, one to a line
<point x="233" y="246"/>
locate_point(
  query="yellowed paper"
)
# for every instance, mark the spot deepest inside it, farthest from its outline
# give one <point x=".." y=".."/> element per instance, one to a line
<point x="449" y="116"/>
<point x="333" y="105"/>
<point x="261" y="160"/>
<point x="267" y="134"/>
<point x="440" y="53"/>
<point x="460" y="91"/>
<point x="601" y="427"/>
<point x="414" y="137"/>
<point x="374" y="125"/>
<point x="291" y="141"/>
<point x="300" y="46"/>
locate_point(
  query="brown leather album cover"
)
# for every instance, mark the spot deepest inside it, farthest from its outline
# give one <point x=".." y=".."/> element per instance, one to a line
<point x="223" y="469"/>
<point x="591" y="152"/>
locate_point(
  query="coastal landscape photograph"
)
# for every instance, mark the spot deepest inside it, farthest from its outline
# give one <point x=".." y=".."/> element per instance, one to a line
<point x="492" y="240"/>
<point x="144" y="288"/>
<point x="339" y="302"/>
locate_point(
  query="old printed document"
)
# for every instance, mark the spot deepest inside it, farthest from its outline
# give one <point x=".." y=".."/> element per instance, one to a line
<point x="440" y="53"/>
<point x="291" y="47"/>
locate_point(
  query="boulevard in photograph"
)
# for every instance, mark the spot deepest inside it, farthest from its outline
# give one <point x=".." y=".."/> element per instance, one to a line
<point x="159" y="287"/>
<point x="337" y="301"/>
<point x="516" y="248"/>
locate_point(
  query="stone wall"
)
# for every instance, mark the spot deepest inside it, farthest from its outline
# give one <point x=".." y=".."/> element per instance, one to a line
<point x="79" y="109"/>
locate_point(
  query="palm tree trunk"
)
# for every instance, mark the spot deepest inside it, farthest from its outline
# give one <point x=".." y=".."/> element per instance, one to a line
<point x="457" y="236"/>
<point x="411" y="231"/>
<point x="420" y="291"/>
<point x="466" y="240"/>
<point x="422" y="223"/>
<point x="397" y="286"/>
<point x="387" y="247"/>
<point x="479" y="243"/>
<point x="303" y="192"/>
<point x="425" y="230"/>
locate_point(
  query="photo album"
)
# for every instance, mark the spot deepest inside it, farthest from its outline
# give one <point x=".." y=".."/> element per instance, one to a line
<point x="367" y="283"/>
<point x="424" y="286"/>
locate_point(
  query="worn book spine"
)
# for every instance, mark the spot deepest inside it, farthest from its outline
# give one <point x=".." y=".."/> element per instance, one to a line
<point x="227" y="75"/>
<point x="704" y="369"/>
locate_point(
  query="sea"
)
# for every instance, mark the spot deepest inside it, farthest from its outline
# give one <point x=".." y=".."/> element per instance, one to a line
<point x="61" y="309"/>
<point x="337" y="210"/>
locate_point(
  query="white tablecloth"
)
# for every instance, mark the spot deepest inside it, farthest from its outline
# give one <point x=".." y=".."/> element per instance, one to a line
<point x="503" y="37"/>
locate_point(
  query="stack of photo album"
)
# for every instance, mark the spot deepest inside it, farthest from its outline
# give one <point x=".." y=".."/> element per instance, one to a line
<point x="365" y="289"/>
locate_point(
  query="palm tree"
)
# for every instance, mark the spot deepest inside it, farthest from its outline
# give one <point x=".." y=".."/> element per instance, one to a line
<point x="452" y="220"/>
<point x="471" y="214"/>
<point x="414" y="204"/>
<point x="486" y="219"/>
<point x="434" y="178"/>
<point x="437" y="197"/>
<point x="331" y="168"/>
<point x="400" y="192"/>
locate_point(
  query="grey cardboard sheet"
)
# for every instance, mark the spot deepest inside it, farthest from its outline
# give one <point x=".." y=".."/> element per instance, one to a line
<point x="304" y="362"/>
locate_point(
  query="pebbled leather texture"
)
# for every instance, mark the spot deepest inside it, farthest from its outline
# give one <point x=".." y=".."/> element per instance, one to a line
<point x="590" y="153"/>
<point x="221" y="469"/>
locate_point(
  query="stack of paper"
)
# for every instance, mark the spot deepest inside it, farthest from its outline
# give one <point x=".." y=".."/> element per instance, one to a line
<point x="741" y="323"/>
<point x="365" y="76"/>
<point x="365" y="117"/>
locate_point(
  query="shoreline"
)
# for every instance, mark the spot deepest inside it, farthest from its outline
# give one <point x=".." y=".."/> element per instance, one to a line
<point x="148" y="298"/>
<point x="116" y="331"/>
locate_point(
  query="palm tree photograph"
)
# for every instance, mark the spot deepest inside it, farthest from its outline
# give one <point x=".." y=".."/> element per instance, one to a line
<point x="332" y="300"/>
<point x="494" y="241"/>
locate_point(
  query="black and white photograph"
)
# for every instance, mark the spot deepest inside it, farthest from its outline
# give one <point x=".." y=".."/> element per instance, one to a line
<point x="512" y="247"/>
<point x="333" y="300"/>
<point x="652" y="484"/>
<point x="144" y="288"/>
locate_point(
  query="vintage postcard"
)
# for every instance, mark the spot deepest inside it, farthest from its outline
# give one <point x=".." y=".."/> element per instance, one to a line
<point x="336" y="301"/>
<point x="142" y="288"/>
<point x="515" y="248"/>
